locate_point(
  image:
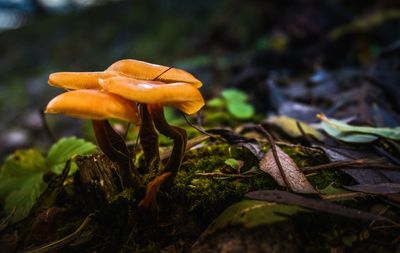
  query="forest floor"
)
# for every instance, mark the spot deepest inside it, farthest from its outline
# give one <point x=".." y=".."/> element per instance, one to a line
<point x="298" y="147"/>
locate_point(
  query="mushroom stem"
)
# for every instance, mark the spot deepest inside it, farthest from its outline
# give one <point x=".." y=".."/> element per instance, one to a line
<point x="149" y="140"/>
<point x="177" y="134"/>
<point x="113" y="146"/>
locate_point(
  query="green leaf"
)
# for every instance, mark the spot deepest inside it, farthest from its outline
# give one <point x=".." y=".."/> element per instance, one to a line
<point x="215" y="102"/>
<point x="254" y="213"/>
<point x="240" y="110"/>
<point x="25" y="196"/>
<point x="346" y="132"/>
<point x="234" y="95"/>
<point x="347" y="137"/>
<point x="65" y="149"/>
<point x="21" y="181"/>
<point x="233" y="163"/>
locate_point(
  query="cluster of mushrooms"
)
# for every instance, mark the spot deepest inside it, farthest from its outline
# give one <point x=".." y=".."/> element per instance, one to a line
<point x="133" y="91"/>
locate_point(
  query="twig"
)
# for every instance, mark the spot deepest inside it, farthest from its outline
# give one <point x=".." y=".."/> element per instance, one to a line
<point x="303" y="133"/>
<point x="343" y="196"/>
<point x="191" y="143"/>
<point x="220" y="174"/>
<point x="275" y="153"/>
<point x="359" y="163"/>
<point x="162" y="73"/>
<point x="198" y="128"/>
<point x="46" y="126"/>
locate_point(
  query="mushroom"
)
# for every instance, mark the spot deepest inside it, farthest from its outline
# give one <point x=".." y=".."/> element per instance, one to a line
<point x="147" y="71"/>
<point x="79" y="80"/>
<point x="184" y="96"/>
<point x="152" y="86"/>
<point x="90" y="104"/>
<point x="99" y="106"/>
<point x="153" y="95"/>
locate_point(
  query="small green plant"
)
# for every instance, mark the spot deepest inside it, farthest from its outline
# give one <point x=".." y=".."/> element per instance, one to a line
<point x="21" y="175"/>
<point x="235" y="102"/>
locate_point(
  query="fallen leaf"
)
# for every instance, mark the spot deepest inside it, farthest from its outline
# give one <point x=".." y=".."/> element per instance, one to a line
<point x="298" y="182"/>
<point x="289" y="126"/>
<point x="253" y="213"/>
<point x="284" y="197"/>
<point x="361" y="176"/>
<point x="384" y="188"/>
<point x="349" y="133"/>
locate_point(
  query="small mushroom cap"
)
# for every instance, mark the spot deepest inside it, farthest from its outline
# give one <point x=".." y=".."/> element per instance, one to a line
<point x="183" y="96"/>
<point x="79" y="80"/>
<point x="93" y="104"/>
<point x="148" y="71"/>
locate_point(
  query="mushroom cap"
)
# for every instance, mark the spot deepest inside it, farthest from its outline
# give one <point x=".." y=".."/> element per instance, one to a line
<point x="148" y="71"/>
<point x="94" y="104"/>
<point x="79" y="80"/>
<point x="183" y="96"/>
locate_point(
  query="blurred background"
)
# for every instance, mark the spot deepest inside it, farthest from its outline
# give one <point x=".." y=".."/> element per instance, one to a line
<point x="300" y="51"/>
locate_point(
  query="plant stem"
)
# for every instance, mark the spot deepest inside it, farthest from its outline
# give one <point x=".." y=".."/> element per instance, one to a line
<point x="113" y="146"/>
<point x="177" y="134"/>
<point x="149" y="140"/>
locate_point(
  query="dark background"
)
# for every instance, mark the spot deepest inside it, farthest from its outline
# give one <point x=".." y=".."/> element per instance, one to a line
<point x="226" y="43"/>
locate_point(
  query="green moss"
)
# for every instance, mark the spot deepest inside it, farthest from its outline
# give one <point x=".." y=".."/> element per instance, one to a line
<point x="207" y="196"/>
<point x="325" y="178"/>
<point x="298" y="156"/>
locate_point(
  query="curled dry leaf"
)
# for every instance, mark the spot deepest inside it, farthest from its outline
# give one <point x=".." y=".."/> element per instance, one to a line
<point x="298" y="182"/>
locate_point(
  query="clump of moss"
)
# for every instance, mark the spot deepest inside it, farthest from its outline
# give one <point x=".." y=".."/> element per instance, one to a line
<point x="300" y="157"/>
<point x="325" y="178"/>
<point x="206" y="196"/>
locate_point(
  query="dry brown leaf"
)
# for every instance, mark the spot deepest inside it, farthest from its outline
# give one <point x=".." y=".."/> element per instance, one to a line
<point x="298" y="182"/>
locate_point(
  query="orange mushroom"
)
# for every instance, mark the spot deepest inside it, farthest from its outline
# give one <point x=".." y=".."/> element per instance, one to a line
<point x="183" y="96"/>
<point x="151" y="86"/>
<point x="79" y="80"/>
<point x="99" y="106"/>
<point x="147" y="71"/>
<point x="93" y="104"/>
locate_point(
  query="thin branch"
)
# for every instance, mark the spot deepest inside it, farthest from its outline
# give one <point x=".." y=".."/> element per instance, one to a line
<point x="162" y="73"/>
<point x="359" y="163"/>
<point x="198" y="128"/>
<point x="275" y="153"/>
<point x="220" y="174"/>
<point x="303" y="133"/>
<point x="46" y="126"/>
